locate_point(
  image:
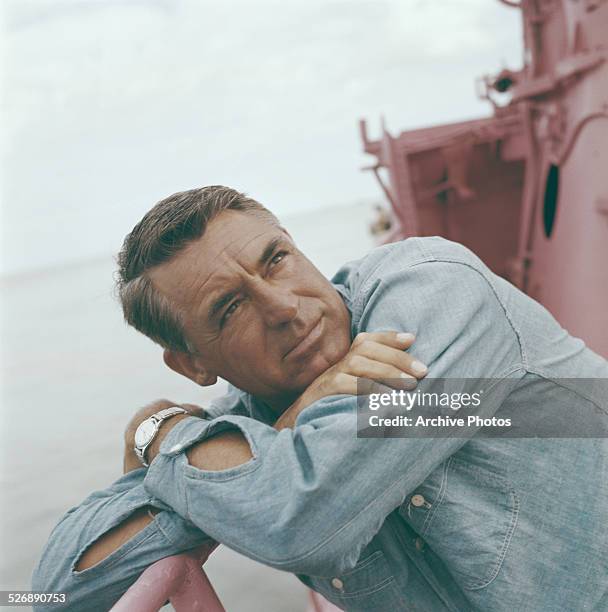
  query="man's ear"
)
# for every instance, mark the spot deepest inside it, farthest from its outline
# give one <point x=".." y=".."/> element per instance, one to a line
<point x="190" y="366"/>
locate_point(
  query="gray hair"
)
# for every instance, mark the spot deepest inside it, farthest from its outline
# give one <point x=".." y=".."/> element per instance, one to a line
<point x="163" y="232"/>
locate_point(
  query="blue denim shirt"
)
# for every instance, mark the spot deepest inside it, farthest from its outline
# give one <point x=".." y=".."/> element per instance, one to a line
<point x="432" y="524"/>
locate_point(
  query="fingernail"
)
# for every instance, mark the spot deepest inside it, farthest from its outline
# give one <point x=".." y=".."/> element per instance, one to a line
<point x="419" y="367"/>
<point x="405" y="337"/>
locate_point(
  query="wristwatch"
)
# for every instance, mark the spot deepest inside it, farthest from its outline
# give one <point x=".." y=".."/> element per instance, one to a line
<point x="147" y="430"/>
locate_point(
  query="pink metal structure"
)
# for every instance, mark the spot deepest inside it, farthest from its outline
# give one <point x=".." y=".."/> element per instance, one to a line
<point x="182" y="581"/>
<point x="179" y="579"/>
<point x="320" y="604"/>
<point x="526" y="189"/>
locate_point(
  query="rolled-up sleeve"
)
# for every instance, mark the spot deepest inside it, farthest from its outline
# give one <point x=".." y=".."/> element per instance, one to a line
<point x="312" y="497"/>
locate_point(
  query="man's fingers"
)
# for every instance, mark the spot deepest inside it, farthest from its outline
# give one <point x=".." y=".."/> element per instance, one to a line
<point x="404" y="362"/>
<point x="354" y="385"/>
<point x="376" y="363"/>
<point x="365" y="386"/>
<point x="386" y="373"/>
<point x="398" y="340"/>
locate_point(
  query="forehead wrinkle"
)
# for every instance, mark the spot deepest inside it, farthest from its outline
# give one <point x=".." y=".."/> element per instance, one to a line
<point x="226" y="247"/>
<point x="232" y="256"/>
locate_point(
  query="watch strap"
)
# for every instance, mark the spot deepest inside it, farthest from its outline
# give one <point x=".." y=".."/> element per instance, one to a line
<point x="157" y="418"/>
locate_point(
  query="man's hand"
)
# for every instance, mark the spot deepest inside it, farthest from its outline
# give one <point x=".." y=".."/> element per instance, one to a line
<point x="377" y="357"/>
<point x="131" y="461"/>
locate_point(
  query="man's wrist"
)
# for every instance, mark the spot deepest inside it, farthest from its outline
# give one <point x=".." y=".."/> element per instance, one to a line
<point x="165" y="427"/>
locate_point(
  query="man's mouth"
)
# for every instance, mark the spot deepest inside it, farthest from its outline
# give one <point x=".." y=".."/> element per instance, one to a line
<point x="307" y="343"/>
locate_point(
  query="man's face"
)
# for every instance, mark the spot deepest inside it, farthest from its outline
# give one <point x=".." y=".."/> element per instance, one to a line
<point x="258" y="312"/>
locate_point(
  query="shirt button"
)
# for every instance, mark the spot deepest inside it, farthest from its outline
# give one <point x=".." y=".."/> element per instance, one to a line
<point x="337" y="583"/>
<point x="419" y="543"/>
<point x="418" y="500"/>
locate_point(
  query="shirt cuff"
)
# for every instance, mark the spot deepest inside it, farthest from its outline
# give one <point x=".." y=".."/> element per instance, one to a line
<point x="184" y="434"/>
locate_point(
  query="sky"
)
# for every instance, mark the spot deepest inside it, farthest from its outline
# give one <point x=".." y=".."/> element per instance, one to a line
<point x="110" y="105"/>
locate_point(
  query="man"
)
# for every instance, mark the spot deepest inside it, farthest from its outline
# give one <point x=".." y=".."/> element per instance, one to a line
<point x="422" y="523"/>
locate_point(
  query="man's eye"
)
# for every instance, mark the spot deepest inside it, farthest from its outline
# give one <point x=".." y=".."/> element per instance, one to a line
<point x="278" y="257"/>
<point x="230" y="310"/>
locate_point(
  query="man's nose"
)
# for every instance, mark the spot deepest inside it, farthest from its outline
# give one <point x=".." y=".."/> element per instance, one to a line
<point x="278" y="305"/>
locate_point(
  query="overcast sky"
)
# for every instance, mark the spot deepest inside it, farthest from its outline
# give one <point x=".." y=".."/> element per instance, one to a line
<point x="109" y="105"/>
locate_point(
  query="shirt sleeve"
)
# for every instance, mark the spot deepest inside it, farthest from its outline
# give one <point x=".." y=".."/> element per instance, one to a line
<point x="312" y="498"/>
<point x="100" y="586"/>
<point x="234" y="401"/>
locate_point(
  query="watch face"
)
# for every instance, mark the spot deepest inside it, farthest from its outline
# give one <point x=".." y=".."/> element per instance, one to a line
<point x="145" y="432"/>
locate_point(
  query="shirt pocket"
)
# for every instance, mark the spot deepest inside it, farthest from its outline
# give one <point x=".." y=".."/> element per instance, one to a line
<point x="368" y="587"/>
<point x="467" y="514"/>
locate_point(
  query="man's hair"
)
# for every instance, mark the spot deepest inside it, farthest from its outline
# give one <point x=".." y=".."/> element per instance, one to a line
<point x="163" y="232"/>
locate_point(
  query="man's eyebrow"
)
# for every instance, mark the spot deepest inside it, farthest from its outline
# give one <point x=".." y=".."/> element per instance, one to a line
<point x="269" y="250"/>
<point x="227" y="297"/>
<point x="219" y="304"/>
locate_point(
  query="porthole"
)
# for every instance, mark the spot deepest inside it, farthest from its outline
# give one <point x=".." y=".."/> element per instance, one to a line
<point x="550" y="200"/>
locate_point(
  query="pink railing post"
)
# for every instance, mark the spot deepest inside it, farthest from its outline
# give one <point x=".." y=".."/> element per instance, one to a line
<point x="179" y="579"/>
<point x="320" y="604"/>
<point x="182" y="581"/>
